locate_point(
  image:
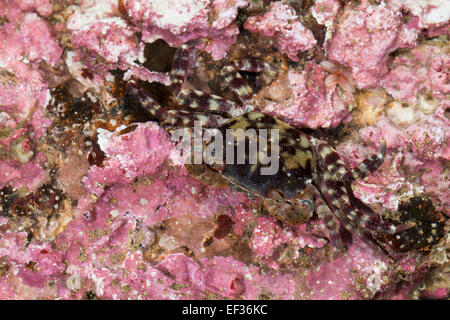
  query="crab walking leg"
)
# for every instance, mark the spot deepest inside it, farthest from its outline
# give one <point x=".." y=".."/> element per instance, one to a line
<point x="329" y="223"/>
<point x="147" y="102"/>
<point x="197" y="100"/>
<point x="250" y="65"/>
<point x="185" y="119"/>
<point x="368" y="165"/>
<point x="333" y="164"/>
<point x="337" y="198"/>
<point x="354" y="227"/>
<point x="236" y="82"/>
<point x="364" y="235"/>
<point x="183" y="62"/>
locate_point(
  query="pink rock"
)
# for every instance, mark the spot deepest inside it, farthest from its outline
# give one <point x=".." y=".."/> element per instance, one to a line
<point x="265" y="237"/>
<point x="232" y="278"/>
<point x="313" y="103"/>
<point x="425" y="67"/>
<point x="268" y="237"/>
<point x="32" y="42"/>
<point x="432" y="13"/>
<point x="142" y="182"/>
<point x="363" y="40"/>
<point x="30" y="174"/>
<point x="409" y="32"/>
<point x="183" y="269"/>
<point x="134" y="154"/>
<point x="118" y="44"/>
<point x="43" y="7"/>
<point x="177" y="22"/>
<point x="358" y="274"/>
<point x="22" y="94"/>
<point x="419" y="146"/>
<point x="325" y="11"/>
<point x="21" y="51"/>
<point x="404" y="83"/>
<point x="282" y="23"/>
<point x="435" y="32"/>
<point x="48" y="262"/>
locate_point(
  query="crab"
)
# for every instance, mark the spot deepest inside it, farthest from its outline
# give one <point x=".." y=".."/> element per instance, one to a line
<point x="312" y="178"/>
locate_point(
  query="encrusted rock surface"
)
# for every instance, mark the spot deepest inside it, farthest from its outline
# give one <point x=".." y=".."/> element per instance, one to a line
<point x="95" y="202"/>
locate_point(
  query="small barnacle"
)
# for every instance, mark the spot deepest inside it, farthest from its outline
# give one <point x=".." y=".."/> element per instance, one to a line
<point x="338" y="76"/>
<point x="428" y="226"/>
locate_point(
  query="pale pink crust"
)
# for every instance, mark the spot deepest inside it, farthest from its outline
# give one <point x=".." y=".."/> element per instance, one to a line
<point x="435" y="32"/>
<point x="177" y="22"/>
<point x="424" y="67"/>
<point x="313" y="104"/>
<point x="282" y="23"/>
<point x="26" y="41"/>
<point x="408" y="34"/>
<point x="364" y="38"/>
<point x="128" y="156"/>
<point x="325" y="11"/>
<point x="43" y="7"/>
<point x="269" y="237"/>
<point x="431" y="13"/>
<point x="99" y="31"/>
<point x="355" y="275"/>
<point x="106" y="32"/>
<point x="418" y="150"/>
<point x="118" y="44"/>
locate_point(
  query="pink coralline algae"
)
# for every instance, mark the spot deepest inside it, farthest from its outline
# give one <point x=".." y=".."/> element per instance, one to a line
<point x="367" y="35"/>
<point x="325" y="11"/>
<point x="431" y="14"/>
<point x="423" y="144"/>
<point x="177" y="22"/>
<point x="425" y="67"/>
<point x="364" y="38"/>
<point x="108" y="29"/>
<point x="313" y="103"/>
<point x="117" y="45"/>
<point x="282" y="23"/>
<point x="95" y="201"/>
<point x="26" y="41"/>
<point x="43" y="7"/>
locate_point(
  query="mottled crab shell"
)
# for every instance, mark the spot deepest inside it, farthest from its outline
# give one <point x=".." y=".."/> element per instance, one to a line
<point x="296" y="162"/>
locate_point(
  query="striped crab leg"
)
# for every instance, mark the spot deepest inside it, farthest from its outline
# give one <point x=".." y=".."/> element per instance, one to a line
<point x="182" y="65"/>
<point x="231" y="76"/>
<point x="333" y="164"/>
